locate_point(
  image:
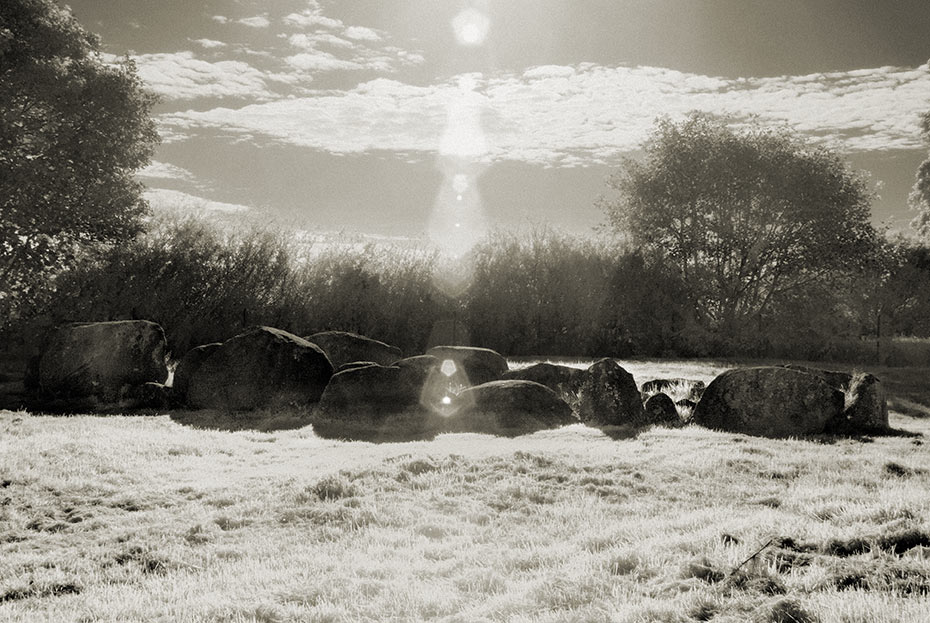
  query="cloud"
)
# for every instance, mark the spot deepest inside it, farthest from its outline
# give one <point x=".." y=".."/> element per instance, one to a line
<point x="584" y="114"/>
<point x="259" y="21"/>
<point x="163" y="199"/>
<point x="310" y="18"/>
<point x="220" y="19"/>
<point x="313" y="41"/>
<point x="209" y="43"/>
<point x="352" y="56"/>
<point x="320" y="62"/>
<point x="165" y="171"/>
<point x="360" y="33"/>
<point x="182" y="76"/>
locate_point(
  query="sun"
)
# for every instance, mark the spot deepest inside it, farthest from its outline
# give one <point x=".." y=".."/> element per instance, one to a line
<point x="471" y="27"/>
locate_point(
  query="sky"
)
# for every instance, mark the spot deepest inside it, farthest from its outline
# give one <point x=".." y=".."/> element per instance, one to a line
<point x="440" y="119"/>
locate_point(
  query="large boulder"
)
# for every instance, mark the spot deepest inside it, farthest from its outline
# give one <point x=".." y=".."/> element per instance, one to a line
<point x="342" y="347"/>
<point x="768" y="402"/>
<point x="424" y="363"/>
<point x="102" y="359"/>
<point x="607" y="395"/>
<point x="835" y="379"/>
<point x="563" y="380"/>
<point x="660" y="409"/>
<point x="372" y="393"/>
<point x="147" y="396"/>
<point x="355" y="364"/>
<point x="480" y="365"/>
<point x="386" y="402"/>
<point x="687" y="388"/>
<point x="509" y="408"/>
<point x="866" y="408"/>
<point x="189" y="364"/>
<point x="263" y="367"/>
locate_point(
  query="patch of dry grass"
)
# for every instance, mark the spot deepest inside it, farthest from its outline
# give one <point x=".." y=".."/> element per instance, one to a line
<point x="144" y="519"/>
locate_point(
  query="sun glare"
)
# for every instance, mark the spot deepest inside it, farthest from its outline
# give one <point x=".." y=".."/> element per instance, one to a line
<point x="458" y="222"/>
<point x="471" y="27"/>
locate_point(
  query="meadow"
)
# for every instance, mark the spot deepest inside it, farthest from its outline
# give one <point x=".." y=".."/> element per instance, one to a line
<point x="143" y="518"/>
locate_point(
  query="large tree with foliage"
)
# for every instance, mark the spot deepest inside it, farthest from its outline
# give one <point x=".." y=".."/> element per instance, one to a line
<point x="73" y="129"/>
<point x="920" y="196"/>
<point x="745" y="213"/>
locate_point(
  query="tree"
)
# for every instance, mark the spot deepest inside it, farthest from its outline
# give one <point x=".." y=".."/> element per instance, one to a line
<point x="745" y="215"/>
<point x="920" y="196"/>
<point x="892" y="292"/>
<point x="73" y="129"/>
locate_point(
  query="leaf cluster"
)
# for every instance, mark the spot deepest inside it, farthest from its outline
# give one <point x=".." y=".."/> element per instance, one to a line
<point x="73" y="130"/>
<point x="745" y="212"/>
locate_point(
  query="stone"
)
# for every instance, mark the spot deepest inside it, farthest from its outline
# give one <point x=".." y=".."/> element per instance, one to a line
<point x="866" y="408"/>
<point x="563" y="380"/>
<point x="607" y="395"/>
<point x="100" y="359"/>
<point x="424" y="363"/>
<point x="189" y="364"/>
<point x="480" y="365"/>
<point x="355" y="364"/>
<point x="509" y="408"/>
<point x="835" y="379"/>
<point x="343" y="347"/>
<point x="694" y="388"/>
<point x="660" y="409"/>
<point x="382" y="402"/>
<point x="147" y="396"/>
<point x="262" y="367"/>
<point x="768" y="402"/>
<point x="373" y="393"/>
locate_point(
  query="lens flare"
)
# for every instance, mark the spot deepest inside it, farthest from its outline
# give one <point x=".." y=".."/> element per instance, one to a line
<point x="448" y="367"/>
<point x="471" y="27"/>
<point x="458" y="221"/>
<point x="460" y="183"/>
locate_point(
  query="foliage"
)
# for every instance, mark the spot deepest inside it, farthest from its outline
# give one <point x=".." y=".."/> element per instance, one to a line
<point x="920" y="196"/>
<point x="745" y="215"/>
<point x="539" y="293"/>
<point x="73" y="129"/>
<point x="546" y="292"/>
<point x="892" y="292"/>
<point x="381" y="291"/>
<point x="204" y="286"/>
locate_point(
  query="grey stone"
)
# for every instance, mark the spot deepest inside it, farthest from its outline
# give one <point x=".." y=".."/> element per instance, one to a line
<point x="509" y="408"/>
<point x="768" y="402"/>
<point x="100" y="359"/>
<point x="343" y="347"/>
<point x="659" y="409"/>
<point x="262" y="367"/>
<point x="481" y="365"/>
<point x="608" y="396"/>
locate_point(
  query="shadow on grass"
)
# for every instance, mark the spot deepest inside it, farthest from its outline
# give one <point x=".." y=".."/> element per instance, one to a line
<point x="389" y="431"/>
<point x="907" y="407"/>
<point x="619" y="433"/>
<point x="828" y="439"/>
<point x="232" y="421"/>
<point x="398" y="430"/>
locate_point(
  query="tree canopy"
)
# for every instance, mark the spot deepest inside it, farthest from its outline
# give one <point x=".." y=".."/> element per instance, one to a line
<point x="745" y="214"/>
<point x="73" y="130"/>
<point x="920" y="196"/>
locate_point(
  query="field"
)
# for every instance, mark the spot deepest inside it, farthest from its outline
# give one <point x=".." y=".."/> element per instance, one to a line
<point x="144" y="519"/>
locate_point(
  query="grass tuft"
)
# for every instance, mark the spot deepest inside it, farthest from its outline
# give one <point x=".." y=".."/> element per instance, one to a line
<point x="786" y="610"/>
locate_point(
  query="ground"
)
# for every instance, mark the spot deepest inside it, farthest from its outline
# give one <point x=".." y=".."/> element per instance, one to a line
<point x="146" y="519"/>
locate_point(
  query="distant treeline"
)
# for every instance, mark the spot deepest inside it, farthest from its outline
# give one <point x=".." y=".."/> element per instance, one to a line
<point x="537" y="293"/>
